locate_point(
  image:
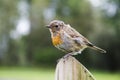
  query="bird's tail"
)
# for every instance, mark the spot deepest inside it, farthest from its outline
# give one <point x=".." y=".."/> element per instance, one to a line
<point x="95" y="48"/>
<point x="98" y="49"/>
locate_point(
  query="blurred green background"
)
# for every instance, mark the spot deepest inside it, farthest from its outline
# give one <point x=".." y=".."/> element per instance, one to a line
<point x="26" y="51"/>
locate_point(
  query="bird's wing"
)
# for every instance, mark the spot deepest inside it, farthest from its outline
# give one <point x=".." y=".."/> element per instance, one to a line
<point x="77" y="36"/>
<point x="79" y="39"/>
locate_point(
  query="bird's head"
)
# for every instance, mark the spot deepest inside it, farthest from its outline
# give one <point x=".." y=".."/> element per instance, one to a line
<point x="56" y="26"/>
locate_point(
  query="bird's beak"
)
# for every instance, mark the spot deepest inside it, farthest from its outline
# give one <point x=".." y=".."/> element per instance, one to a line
<point x="48" y="26"/>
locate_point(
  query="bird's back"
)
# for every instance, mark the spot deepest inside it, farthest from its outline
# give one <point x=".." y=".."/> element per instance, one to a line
<point x="75" y="34"/>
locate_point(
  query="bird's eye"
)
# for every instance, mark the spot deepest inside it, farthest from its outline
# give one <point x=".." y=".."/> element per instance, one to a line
<point x="56" y="26"/>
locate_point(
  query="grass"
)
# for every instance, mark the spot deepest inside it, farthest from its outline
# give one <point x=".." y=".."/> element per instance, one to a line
<point x="26" y="74"/>
<point x="46" y="74"/>
<point x="104" y="75"/>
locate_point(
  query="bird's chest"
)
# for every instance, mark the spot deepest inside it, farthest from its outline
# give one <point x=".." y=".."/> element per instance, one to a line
<point x="56" y="40"/>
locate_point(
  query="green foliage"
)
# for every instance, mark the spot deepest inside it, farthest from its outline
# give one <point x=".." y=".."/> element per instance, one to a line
<point x="36" y="47"/>
<point x="46" y="74"/>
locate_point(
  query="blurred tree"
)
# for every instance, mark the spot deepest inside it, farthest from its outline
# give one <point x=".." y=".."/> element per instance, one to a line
<point x="8" y="15"/>
<point x="109" y="36"/>
<point x="99" y="25"/>
<point x="114" y="43"/>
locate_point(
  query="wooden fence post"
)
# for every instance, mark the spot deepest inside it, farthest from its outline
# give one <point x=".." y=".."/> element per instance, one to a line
<point x="72" y="69"/>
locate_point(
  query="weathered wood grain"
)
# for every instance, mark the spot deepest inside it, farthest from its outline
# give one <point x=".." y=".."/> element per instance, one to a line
<point x="71" y="69"/>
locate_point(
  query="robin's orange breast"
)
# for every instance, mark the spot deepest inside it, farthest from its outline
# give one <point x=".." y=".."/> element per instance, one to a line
<point x="56" y="40"/>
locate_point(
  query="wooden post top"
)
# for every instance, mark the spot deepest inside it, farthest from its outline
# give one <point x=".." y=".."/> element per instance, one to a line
<point x="71" y="69"/>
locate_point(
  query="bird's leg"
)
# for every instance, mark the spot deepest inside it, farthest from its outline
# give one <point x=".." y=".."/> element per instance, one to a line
<point x="58" y="60"/>
<point x="67" y="55"/>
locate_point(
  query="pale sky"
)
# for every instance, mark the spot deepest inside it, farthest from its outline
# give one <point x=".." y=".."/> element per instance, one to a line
<point x="97" y="3"/>
<point x="109" y="8"/>
<point x="23" y="26"/>
<point x="23" y="23"/>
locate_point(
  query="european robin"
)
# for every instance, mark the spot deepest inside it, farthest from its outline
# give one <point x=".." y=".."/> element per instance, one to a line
<point x="67" y="39"/>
